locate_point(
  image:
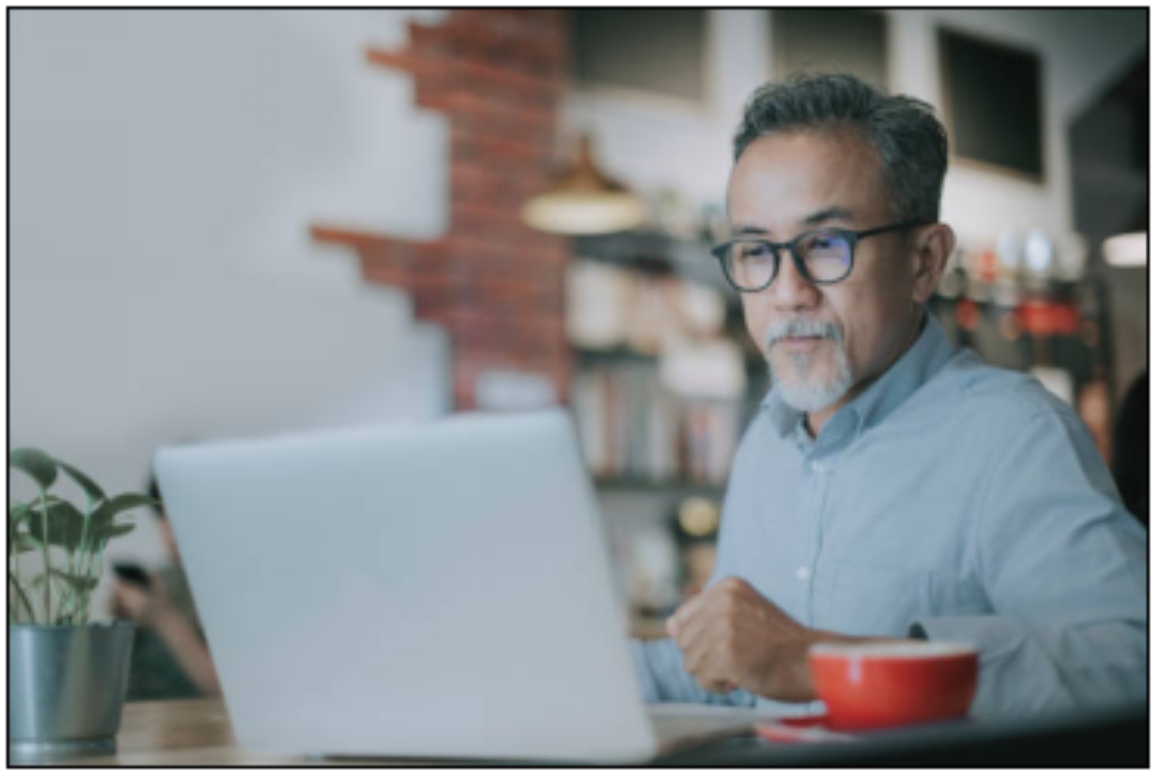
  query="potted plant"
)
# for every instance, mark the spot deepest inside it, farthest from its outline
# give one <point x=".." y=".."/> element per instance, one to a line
<point x="67" y="675"/>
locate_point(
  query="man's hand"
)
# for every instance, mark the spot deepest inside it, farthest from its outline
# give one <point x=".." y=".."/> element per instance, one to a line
<point x="731" y="636"/>
<point x="144" y="606"/>
<point x="153" y="607"/>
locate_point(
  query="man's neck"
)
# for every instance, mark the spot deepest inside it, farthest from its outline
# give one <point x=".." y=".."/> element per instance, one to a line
<point x="814" y="421"/>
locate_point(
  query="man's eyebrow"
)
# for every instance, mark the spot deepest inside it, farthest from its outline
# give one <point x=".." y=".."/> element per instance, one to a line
<point x="835" y="213"/>
<point x="829" y="214"/>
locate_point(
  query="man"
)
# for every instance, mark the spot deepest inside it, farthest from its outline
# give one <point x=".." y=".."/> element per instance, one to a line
<point x="170" y="657"/>
<point x="892" y="486"/>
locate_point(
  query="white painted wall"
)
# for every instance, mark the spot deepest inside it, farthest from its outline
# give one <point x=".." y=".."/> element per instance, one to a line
<point x="651" y="144"/>
<point x="165" y="166"/>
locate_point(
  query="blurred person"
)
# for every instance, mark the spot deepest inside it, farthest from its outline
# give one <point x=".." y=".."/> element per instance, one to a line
<point x="892" y="486"/>
<point x="1131" y="449"/>
<point x="170" y="657"/>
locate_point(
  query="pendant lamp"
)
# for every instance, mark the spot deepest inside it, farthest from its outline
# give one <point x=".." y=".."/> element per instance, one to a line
<point x="583" y="201"/>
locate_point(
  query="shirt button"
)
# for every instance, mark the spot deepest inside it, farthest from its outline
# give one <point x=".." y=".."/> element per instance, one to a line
<point x="818" y="467"/>
<point x="803" y="573"/>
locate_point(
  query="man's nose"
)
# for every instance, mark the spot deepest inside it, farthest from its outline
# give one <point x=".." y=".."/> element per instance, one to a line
<point x="791" y="290"/>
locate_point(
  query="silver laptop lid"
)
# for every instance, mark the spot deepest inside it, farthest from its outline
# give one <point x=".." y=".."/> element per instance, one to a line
<point x="438" y="590"/>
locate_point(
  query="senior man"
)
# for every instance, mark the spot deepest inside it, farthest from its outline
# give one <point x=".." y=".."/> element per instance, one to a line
<point x="892" y="486"/>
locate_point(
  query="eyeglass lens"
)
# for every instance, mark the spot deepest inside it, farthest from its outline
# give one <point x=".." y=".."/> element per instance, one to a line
<point x="826" y="257"/>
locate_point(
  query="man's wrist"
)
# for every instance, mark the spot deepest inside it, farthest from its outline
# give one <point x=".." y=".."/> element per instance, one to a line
<point x="803" y="683"/>
<point x="163" y="618"/>
<point x="804" y="680"/>
<point x="831" y="637"/>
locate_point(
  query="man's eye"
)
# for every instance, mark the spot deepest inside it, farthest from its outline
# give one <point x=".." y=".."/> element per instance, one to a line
<point x="754" y="251"/>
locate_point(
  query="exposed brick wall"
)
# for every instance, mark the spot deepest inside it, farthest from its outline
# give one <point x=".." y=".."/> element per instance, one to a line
<point x="495" y="284"/>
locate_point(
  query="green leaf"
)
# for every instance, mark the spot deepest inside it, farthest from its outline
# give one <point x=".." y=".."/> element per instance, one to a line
<point x="120" y="529"/>
<point x="65" y="525"/>
<point x="37" y="464"/>
<point x="126" y="501"/>
<point x="22" y="598"/>
<point x="91" y="489"/>
<point x="17" y="515"/>
<point x="22" y="542"/>
<point x="101" y="524"/>
<point x="76" y="583"/>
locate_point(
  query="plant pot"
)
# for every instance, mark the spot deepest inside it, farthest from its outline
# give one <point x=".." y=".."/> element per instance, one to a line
<point x="66" y="688"/>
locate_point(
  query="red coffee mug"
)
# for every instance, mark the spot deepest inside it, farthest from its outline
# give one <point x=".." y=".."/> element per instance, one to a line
<point x="876" y="685"/>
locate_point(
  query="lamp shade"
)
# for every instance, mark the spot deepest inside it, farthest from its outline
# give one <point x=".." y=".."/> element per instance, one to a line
<point x="1127" y="250"/>
<point x="583" y="201"/>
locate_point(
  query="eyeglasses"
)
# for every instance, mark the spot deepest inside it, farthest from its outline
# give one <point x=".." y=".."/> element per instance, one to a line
<point x="822" y="256"/>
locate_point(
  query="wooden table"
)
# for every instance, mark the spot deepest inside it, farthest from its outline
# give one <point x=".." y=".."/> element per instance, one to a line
<point x="197" y="732"/>
<point x="187" y="732"/>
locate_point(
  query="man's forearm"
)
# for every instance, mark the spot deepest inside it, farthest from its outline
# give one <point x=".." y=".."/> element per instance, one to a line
<point x="190" y="652"/>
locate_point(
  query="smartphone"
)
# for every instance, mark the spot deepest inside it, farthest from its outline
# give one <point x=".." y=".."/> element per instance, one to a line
<point x="132" y="573"/>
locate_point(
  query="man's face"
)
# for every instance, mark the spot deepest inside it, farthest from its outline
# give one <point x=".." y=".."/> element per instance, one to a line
<point x="821" y="340"/>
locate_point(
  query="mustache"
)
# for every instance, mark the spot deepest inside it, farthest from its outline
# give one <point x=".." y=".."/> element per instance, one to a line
<point x="800" y="327"/>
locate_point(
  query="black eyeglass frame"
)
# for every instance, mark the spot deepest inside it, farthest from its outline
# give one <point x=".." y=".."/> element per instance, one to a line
<point x="852" y="237"/>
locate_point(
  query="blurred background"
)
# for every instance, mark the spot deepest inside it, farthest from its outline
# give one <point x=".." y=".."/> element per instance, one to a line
<point x="231" y="223"/>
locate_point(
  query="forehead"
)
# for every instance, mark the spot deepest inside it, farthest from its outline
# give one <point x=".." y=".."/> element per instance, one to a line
<point x="783" y="177"/>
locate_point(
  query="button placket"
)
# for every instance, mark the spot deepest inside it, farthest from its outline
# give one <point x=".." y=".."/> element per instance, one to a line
<point x="821" y="469"/>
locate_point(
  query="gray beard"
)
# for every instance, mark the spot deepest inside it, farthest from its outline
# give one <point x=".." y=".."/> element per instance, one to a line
<point x="804" y="395"/>
<point x="796" y="390"/>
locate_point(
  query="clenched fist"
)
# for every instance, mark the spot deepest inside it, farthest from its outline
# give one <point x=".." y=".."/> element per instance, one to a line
<point x="731" y="636"/>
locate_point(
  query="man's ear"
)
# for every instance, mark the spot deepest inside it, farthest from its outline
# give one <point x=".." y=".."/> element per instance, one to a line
<point x="930" y="253"/>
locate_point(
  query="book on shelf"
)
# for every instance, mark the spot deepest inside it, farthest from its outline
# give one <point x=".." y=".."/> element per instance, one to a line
<point x="631" y="429"/>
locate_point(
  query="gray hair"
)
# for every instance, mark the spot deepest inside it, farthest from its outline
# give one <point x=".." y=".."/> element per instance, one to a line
<point x="905" y="133"/>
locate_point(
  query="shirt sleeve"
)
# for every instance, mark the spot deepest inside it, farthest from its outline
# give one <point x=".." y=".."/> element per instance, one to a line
<point x="1064" y="568"/>
<point x="659" y="664"/>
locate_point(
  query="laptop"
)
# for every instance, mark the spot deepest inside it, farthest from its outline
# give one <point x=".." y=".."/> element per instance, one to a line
<point x="439" y="590"/>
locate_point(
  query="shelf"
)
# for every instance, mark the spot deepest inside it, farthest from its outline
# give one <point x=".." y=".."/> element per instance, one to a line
<point x="613" y="355"/>
<point x="753" y="362"/>
<point x="625" y="414"/>
<point x="690" y="259"/>
<point x="628" y="485"/>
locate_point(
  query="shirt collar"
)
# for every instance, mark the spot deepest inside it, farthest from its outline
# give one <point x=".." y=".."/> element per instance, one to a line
<point x="923" y="359"/>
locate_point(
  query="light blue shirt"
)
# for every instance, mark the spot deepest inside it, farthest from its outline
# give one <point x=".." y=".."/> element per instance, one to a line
<point x="951" y="497"/>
